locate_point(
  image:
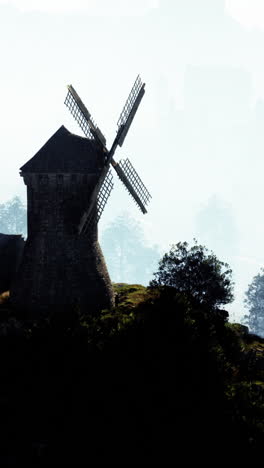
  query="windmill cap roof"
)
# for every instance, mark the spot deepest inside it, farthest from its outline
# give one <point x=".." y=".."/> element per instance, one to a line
<point x="65" y="152"/>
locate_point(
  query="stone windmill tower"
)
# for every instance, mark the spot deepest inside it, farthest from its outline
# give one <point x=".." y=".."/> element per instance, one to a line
<point x="68" y="184"/>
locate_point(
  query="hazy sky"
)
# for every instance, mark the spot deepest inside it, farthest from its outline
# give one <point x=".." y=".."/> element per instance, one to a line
<point x="197" y="140"/>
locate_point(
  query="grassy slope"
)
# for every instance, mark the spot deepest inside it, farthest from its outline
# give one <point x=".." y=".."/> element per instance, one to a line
<point x="153" y="379"/>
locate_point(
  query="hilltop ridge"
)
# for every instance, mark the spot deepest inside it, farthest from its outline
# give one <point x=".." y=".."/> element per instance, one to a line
<point x="154" y="379"/>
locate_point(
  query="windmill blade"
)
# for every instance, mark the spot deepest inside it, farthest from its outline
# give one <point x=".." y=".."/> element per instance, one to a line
<point x="104" y="194"/>
<point x="133" y="183"/>
<point x="98" y="208"/>
<point x="130" y="108"/>
<point x="83" y="116"/>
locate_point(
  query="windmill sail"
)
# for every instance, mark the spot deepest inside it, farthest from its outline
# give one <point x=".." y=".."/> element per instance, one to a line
<point x="102" y="198"/>
<point x="130" y="108"/>
<point x="83" y="116"/>
<point x="133" y="183"/>
<point x="124" y="169"/>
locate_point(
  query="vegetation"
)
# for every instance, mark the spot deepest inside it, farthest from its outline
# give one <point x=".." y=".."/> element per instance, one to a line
<point x="158" y="379"/>
<point x="255" y="303"/>
<point x="13" y="217"/>
<point x="196" y="273"/>
<point x="127" y="254"/>
<point x="216" y="228"/>
<point x="161" y="377"/>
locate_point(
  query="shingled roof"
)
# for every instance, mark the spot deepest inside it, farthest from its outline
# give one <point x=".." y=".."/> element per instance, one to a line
<point x="65" y="152"/>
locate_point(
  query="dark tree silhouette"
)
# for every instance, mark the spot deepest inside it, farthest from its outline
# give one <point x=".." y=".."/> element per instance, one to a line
<point x="196" y="272"/>
<point x="255" y="303"/>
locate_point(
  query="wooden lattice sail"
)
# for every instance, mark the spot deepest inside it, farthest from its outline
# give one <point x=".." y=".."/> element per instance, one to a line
<point x="129" y="176"/>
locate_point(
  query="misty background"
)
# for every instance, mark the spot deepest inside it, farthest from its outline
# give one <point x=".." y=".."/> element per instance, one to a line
<point x="197" y="140"/>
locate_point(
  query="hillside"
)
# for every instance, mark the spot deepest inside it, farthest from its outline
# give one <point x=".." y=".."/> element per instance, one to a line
<point x="155" y="380"/>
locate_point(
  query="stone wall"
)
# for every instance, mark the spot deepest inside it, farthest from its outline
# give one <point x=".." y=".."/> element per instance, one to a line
<point x="60" y="268"/>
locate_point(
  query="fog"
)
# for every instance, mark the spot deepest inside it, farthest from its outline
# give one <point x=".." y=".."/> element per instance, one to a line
<point x="197" y="140"/>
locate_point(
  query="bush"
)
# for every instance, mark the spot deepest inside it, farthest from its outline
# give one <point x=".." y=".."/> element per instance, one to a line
<point x="197" y="273"/>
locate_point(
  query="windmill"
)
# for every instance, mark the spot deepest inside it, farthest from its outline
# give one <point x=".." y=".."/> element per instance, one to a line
<point x="124" y="168"/>
<point x="68" y="184"/>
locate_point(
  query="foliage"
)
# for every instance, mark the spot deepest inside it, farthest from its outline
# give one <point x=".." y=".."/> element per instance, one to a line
<point x="154" y="376"/>
<point x="128" y="257"/>
<point x="196" y="273"/>
<point x="255" y="303"/>
<point x="129" y="295"/>
<point x="13" y="217"/>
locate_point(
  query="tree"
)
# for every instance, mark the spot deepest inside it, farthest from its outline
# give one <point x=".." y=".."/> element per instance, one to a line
<point x="13" y="217"/>
<point x="255" y="303"/>
<point x="216" y="228"/>
<point x="197" y="273"/>
<point x="128" y="258"/>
